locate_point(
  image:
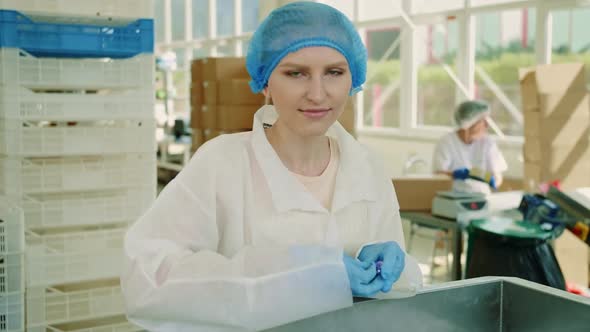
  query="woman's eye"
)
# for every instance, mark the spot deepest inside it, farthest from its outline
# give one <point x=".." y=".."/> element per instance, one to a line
<point x="335" y="72"/>
<point x="294" y="74"/>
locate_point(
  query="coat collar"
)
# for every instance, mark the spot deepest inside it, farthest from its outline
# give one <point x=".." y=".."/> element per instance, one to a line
<point x="355" y="180"/>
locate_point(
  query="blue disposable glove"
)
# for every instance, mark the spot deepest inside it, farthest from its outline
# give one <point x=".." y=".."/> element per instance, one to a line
<point x="362" y="277"/>
<point x="492" y="183"/>
<point x="461" y="174"/>
<point x="393" y="258"/>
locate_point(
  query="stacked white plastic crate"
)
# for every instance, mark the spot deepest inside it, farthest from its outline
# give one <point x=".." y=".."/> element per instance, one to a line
<point x="77" y="154"/>
<point x="12" y="299"/>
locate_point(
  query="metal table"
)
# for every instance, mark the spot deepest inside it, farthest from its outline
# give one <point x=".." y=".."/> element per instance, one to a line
<point x="427" y="219"/>
<point x="482" y="304"/>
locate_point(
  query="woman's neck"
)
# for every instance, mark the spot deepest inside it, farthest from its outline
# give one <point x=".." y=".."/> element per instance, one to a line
<point x="308" y="156"/>
<point x="464" y="136"/>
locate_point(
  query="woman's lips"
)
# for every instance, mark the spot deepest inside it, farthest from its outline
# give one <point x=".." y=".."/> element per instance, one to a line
<point x="316" y="113"/>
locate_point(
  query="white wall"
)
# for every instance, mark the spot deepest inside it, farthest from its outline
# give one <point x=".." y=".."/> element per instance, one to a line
<point x="395" y="150"/>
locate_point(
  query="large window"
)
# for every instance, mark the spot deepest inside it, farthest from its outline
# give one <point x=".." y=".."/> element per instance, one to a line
<point x="436" y="55"/>
<point x="505" y="42"/>
<point x="249" y="15"/>
<point x="159" y="21"/>
<point x="200" y="18"/>
<point x="178" y="20"/>
<point x="570" y="39"/>
<point x="381" y="92"/>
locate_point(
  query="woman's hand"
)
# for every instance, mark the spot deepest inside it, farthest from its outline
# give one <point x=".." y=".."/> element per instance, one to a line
<point x="392" y="258"/>
<point x="363" y="278"/>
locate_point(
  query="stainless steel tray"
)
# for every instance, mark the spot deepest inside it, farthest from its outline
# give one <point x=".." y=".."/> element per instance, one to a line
<point x="480" y="304"/>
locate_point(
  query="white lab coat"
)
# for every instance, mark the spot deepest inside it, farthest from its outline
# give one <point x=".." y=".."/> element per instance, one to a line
<point x="236" y="243"/>
<point x="451" y="154"/>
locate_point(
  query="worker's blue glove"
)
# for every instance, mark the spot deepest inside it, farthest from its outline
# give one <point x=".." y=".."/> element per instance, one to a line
<point x="461" y="174"/>
<point x="362" y="277"/>
<point x="492" y="183"/>
<point x="393" y="258"/>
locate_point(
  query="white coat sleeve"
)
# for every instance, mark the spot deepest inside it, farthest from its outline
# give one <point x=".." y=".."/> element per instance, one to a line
<point x="441" y="159"/>
<point x="175" y="279"/>
<point x="390" y="228"/>
<point x="496" y="162"/>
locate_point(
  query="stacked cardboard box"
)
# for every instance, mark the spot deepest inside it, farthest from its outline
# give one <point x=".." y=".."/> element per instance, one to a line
<point x="556" y="106"/>
<point x="222" y="102"/>
<point x="221" y="99"/>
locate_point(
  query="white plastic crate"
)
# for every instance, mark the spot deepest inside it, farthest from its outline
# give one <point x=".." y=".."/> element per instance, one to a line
<point x="87" y="208"/>
<point x="20" y="69"/>
<point x="11" y="227"/>
<point x="111" y="324"/>
<point x="20" y="176"/>
<point x="12" y="312"/>
<point x="105" y="9"/>
<point x="48" y="139"/>
<point x="11" y="273"/>
<point x="25" y="104"/>
<point x="74" y="257"/>
<point x="53" y="306"/>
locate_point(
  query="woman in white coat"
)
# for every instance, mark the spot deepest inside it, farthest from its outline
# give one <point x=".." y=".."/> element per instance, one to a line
<point x="469" y="155"/>
<point x="285" y="222"/>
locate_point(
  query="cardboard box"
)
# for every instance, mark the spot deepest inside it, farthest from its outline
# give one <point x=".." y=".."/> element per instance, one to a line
<point x="555" y="155"/>
<point x="417" y="193"/>
<point x="197" y="94"/>
<point x="224" y="117"/>
<point x="572" y="255"/>
<point x="556" y="130"/>
<point x="197" y="70"/>
<point x="570" y="176"/>
<point x="198" y="139"/>
<point x="214" y="69"/>
<point x="196" y="121"/>
<point x="552" y="79"/>
<point x="231" y="92"/>
<point x="564" y="104"/>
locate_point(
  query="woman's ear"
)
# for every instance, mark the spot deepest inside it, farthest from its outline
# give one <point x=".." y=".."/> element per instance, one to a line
<point x="267" y="98"/>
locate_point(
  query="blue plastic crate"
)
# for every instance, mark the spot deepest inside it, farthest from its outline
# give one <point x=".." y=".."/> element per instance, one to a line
<point x="45" y="39"/>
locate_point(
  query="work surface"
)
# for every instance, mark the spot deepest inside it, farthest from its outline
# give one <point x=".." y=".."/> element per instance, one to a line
<point x="481" y="304"/>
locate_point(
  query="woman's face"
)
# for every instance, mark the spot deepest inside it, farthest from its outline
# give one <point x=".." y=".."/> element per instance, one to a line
<point x="309" y="89"/>
<point x="478" y="130"/>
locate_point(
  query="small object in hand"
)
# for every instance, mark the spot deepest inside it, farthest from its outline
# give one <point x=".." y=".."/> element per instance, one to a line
<point x="378" y="265"/>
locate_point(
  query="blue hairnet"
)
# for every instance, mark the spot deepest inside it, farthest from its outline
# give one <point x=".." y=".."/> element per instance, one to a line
<point x="469" y="112"/>
<point x="304" y="24"/>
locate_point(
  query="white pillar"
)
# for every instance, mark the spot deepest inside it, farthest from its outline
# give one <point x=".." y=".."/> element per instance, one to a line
<point x="466" y="53"/>
<point x="238" y="26"/>
<point x="544" y="34"/>
<point x="212" y="31"/>
<point x="409" y="74"/>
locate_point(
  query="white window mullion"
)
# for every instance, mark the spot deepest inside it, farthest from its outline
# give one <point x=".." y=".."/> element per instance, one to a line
<point x="544" y="34"/>
<point x="212" y="31"/>
<point x="238" y="27"/>
<point x="409" y="74"/>
<point x="167" y="21"/>
<point x="466" y="54"/>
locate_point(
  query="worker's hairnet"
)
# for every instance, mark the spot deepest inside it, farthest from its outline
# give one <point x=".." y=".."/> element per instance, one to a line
<point x="469" y="112"/>
<point x="304" y="24"/>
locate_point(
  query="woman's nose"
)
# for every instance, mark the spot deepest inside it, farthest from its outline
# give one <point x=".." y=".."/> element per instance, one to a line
<point x="316" y="90"/>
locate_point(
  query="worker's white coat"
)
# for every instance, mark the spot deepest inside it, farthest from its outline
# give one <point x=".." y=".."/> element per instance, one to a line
<point x="451" y="154"/>
<point x="236" y="243"/>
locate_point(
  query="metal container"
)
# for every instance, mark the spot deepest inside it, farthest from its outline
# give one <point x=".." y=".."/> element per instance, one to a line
<point x="480" y="304"/>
